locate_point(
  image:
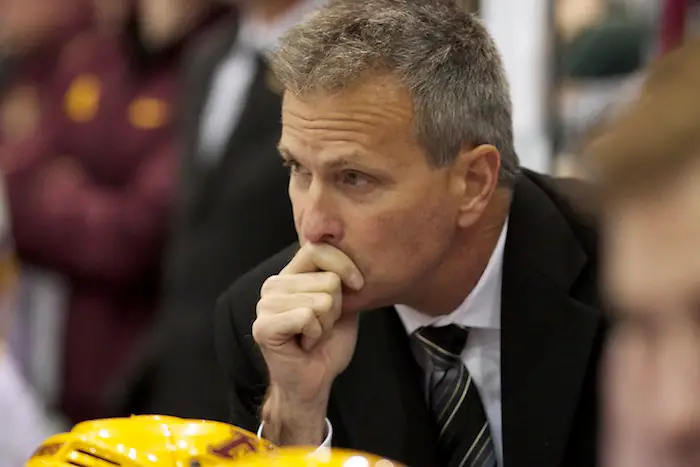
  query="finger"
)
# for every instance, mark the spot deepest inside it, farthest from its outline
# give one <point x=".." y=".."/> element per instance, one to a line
<point x="300" y="283"/>
<point x="274" y="330"/>
<point x="308" y="343"/>
<point x="315" y="257"/>
<point x="326" y="306"/>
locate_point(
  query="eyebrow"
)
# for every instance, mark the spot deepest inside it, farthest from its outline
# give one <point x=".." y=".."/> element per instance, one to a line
<point x="339" y="161"/>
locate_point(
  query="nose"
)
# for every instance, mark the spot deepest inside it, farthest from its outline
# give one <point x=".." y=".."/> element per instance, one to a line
<point x="677" y="406"/>
<point x="320" y="218"/>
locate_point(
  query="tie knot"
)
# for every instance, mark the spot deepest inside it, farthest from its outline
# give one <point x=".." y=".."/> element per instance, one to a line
<point x="443" y="344"/>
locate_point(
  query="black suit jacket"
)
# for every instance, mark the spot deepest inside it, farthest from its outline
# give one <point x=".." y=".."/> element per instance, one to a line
<point x="552" y="330"/>
<point x="232" y="213"/>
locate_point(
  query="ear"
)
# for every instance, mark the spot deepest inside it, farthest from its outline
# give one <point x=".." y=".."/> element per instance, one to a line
<point x="474" y="179"/>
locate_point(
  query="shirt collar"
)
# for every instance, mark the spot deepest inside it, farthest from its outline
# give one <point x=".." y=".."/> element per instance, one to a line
<point x="263" y="36"/>
<point x="481" y="308"/>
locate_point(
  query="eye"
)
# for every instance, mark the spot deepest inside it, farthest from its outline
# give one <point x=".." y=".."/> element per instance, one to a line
<point x="354" y="178"/>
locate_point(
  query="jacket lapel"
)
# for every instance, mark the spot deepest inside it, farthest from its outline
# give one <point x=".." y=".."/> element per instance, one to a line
<point x="380" y="400"/>
<point x="548" y="336"/>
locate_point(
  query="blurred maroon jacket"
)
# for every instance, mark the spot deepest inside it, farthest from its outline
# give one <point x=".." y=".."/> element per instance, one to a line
<point x="90" y="195"/>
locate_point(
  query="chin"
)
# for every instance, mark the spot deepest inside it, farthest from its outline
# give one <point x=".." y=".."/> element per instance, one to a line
<point x="353" y="301"/>
<point x="358" y="301"/>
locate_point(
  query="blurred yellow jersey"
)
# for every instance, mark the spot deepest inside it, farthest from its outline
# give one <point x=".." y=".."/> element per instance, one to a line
<point x="153" y="441"/>
<point x="300" y="457"/>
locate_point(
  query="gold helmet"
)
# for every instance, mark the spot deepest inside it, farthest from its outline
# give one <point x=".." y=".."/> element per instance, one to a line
<point x="148" y="441"/>
<point x="300" y="457"/>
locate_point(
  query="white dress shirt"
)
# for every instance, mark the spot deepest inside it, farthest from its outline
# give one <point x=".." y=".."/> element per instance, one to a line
<point x="234" y="75"/>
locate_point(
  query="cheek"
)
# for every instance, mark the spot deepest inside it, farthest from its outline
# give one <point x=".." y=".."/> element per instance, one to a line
<point x="368" y="233"/>
<point x="403" y="235"/>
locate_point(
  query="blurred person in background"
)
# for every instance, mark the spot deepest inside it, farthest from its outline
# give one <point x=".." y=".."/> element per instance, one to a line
<point x="233" y="209"/>
<point x="90" y="162"/>
<point x="32" y="33"/>
<point x="649" y="162"/>
<point x="600" y="61"/>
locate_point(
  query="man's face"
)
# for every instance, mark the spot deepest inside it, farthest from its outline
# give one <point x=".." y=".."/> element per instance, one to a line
<point x="653" y="278"/>
<point x="25" y="24"/>
<point x="162" y="20"/>
<point x="110" y="14"/>
<point x="360" y="182"/>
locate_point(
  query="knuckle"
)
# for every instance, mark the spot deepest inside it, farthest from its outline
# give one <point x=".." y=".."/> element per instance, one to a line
<point x="270" y="284"/>
<point x="267" y="304"/>
<point x="258" y="331"/>
<point x="332" y="281"/>
<point x="324" y="301"/>
<point x="259" y="309"/>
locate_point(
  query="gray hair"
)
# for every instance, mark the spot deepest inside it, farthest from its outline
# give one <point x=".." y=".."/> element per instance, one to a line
<point x="443" y="55"/>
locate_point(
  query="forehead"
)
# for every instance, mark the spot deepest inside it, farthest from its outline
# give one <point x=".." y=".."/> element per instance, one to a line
<point x="652" y="256"/>
<point x="374" y="113"/>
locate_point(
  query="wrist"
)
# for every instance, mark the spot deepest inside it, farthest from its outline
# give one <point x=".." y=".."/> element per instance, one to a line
<point x="293" y="421"/>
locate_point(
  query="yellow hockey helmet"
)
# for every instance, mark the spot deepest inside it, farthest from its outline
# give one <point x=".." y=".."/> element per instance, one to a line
<point x="300" y="457"/>
<point x="148" y="441"/>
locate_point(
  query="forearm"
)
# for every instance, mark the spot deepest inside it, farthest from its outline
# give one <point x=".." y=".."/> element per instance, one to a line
<point x="289" y="422"/>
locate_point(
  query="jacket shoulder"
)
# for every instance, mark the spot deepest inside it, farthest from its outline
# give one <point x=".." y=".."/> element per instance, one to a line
<point x="578" y="203"/>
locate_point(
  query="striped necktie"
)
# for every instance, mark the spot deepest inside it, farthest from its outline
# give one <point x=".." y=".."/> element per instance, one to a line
<point x="465" y="439"/>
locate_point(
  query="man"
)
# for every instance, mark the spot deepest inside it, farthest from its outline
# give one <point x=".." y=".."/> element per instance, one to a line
<point x="233" y="209"/>
<point x="649" y="165"/>
<point x="414" y="220"/>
